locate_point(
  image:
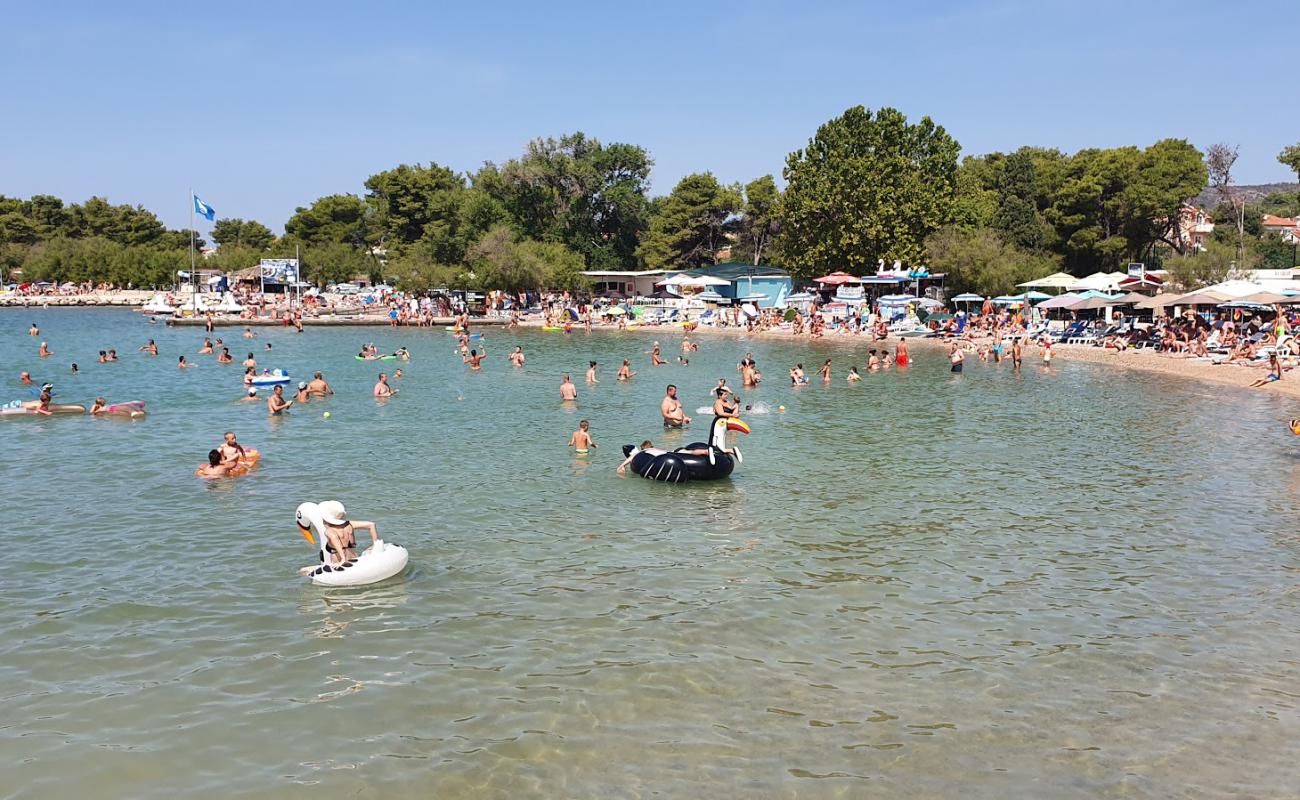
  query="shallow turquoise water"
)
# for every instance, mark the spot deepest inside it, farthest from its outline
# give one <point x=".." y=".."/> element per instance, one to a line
<point x="1079" y="583"/>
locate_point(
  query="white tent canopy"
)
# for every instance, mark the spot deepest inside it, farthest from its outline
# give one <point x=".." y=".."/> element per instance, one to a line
<point x="1057" y="280"/>
<point x="682" y="279"/>
<point x="1099" y="281"/>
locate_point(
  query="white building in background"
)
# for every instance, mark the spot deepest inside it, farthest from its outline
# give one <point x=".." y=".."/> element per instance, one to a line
<point x="1286" y="227"/>
<point x="1195" y="225"/>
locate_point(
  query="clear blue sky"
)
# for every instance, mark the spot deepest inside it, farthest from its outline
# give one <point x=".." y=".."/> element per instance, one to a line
<point x="265" y="106"/>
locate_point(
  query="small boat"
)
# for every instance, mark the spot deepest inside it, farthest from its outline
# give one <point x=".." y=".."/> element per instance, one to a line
<point x="158" y="305"/>
<point x="271" y="378"/>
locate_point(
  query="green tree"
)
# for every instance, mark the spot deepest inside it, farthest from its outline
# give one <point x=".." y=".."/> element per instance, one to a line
<point x="242" y="233"/>
<point x="687" y="230"/>
<point x="575" y="190"/>
<point x="501" y="261"/>
<point x="122" y="223"/>
<point x="335" y="262"/>
<point x="1290" y="156"/>
<point x="1017" y="215"/>
<point x="333" y="219"/>
<point x="867" y="188"/>
<point x="1210" y="266"/>
<point x="408" y="198"/>
<point x="760" y="221"/>
<point x="1271" y="251"/>
<point x="975" y="200"/>
<point x="981" y="261"/>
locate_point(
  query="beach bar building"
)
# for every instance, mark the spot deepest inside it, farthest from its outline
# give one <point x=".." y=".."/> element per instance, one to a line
<point x="760" y="284"/>
<point x="628" y="283"/>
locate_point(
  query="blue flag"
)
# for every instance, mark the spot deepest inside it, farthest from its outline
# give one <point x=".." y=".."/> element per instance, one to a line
<point x="203" y="209"/>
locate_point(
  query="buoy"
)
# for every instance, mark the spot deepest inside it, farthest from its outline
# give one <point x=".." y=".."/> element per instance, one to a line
<point x="1295" y="426"/>
<point x="326" y="415"/>
<point x="780" y="408"/>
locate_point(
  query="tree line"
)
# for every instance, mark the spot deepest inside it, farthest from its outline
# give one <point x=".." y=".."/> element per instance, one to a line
<point x="868" y="187"/>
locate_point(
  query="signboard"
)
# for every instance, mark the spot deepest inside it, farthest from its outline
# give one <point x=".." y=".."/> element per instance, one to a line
<point x="279" y="270"/>
<point x="1136" y="270"/>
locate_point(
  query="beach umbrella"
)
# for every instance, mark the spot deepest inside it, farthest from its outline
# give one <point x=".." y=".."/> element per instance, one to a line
<point x="930" y="302"/>
<point x="617" y="311"/>
<point x="838" y="278"/>
<point x="1131" y="298"/>
<point x="1204" y="297"/>
<point x="1057" y="280"/>
<point x="1061" y="301"/>
<point x="969" y="297"/>
<point x="709" y="297"/>
<point x="1268" y="299"/>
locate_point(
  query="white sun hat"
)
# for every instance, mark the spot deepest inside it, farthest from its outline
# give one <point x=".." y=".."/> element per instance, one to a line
<point x="333" y="512"/>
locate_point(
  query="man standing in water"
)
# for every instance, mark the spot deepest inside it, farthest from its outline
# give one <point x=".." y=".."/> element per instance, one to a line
<point x="591" y="373"/>
<point x="318" y="386"/>
<point x="671" y="410"/>
<point x="567" y="390"/>
<point x="382" y="389"/>
<point x="517" y="357"/>
<point x="276" y="404"/>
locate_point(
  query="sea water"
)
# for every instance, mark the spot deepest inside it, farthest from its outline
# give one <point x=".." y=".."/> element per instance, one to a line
<point x="1075" y="582"/>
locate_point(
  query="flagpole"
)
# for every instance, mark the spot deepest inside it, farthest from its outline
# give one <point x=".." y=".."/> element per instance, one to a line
<point x="194" y="299"/>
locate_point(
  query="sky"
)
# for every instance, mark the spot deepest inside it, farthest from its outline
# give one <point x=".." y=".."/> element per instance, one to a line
<point x="263" y="107"/>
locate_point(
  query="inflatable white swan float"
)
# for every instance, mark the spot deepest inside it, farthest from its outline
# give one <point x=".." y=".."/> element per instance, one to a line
<point x="378" y="562"/>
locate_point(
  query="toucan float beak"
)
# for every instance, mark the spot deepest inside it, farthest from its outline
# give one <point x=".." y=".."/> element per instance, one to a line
<point x="306" y="534"/>
<point x="734" y="424"/>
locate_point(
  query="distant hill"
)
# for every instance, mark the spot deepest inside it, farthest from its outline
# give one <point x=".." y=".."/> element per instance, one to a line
<point x="1253" y="194"/>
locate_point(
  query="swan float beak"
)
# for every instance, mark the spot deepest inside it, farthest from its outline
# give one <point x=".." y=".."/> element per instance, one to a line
<point x="306" y="534"/>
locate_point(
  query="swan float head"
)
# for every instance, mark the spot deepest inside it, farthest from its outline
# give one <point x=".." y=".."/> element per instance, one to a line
<point x="309" y="519"/>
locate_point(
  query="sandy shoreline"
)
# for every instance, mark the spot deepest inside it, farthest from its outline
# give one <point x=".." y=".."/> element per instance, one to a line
<point x="1234" y="375"/>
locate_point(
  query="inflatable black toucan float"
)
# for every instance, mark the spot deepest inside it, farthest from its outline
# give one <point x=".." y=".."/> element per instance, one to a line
<point x="694" y="462"/>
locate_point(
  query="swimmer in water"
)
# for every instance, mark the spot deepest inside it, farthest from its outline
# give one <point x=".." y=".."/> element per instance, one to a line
<point x="276" y="404"/>
<point x="225" y="357"/>
<point x="646" y="445"/>
<point x="150" y="348"/>
<point x="230" y="449"/>
<point x="853" y="375"/>
<point x="655" y="360"/>
<point x="725" y="404"/>
<point x="112" y="356"/>
<point x="625" y="372"/>
<point x="671" y="410"/>
<point x="302" y="396"/>
<point x="268" y="347"/>
<point x="25" y="379"/>
<point x="206" y="349"/>
<point x="474" y="360"/>
<point x="382" y="389"/>
<point x="397" y="374"/>
<point x="340" y="534"/>
<point x="98" y="407"/>
<point x="319" y="387"/>
<point x="591" y="373"/>
<point x="215" y="468"/>
<point x="44" y="350"/>
<point x="250" y="361"/>
<point x="75" y="368"/>
<point x="33" y="331"/>
<point x="252" y="395"/>
<point x="248" y="333"/>
<point x="183" y="364"/>
<point x="567" y="390"/>
<point x="516" y="358"/>
<point x="581" y="441"/>
<point x="900" y="353"/>
<point x="825" y="371"/>
<point x="797" y="377"/>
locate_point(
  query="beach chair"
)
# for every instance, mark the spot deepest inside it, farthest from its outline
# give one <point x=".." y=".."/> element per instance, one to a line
<point x="1071" y="330"/>
<point x="1085" y="335"/>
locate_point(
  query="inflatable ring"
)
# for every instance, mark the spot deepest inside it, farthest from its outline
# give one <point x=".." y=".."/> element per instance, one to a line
<point x="1295" y="426"/>
<point x="378" y="562"/>
<point x="688" y="463"/>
